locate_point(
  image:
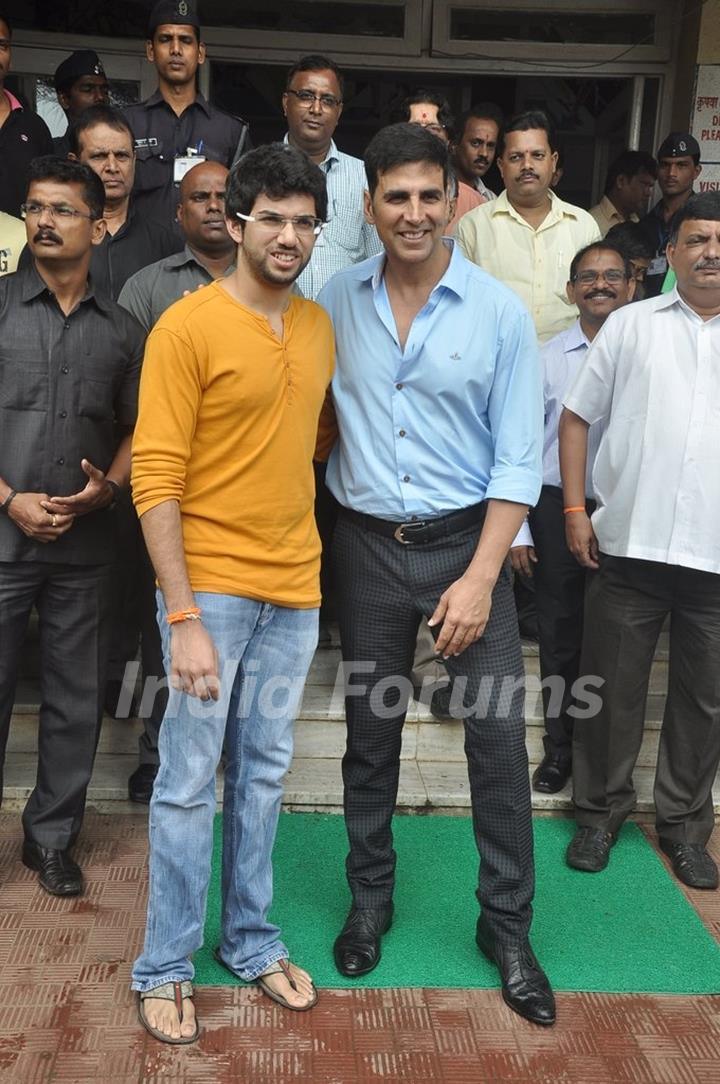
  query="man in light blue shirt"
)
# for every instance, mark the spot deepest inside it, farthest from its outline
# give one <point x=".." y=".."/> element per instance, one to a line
<point x="312" y="104"/>
<point x="439" y="409"/>
<point x="601" y="281"/>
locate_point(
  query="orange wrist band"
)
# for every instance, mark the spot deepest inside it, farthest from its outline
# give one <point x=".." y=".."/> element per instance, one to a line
<point x="575" y="508"/>
<point x="191" y="614"/>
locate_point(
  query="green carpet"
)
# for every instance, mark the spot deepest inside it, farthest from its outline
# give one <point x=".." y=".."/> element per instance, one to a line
<point x="627" y="929"/>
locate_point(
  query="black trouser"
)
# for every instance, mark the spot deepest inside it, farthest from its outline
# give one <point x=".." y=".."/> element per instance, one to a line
<point x="73" y="605"/>
<point x="384" y="590"/>
<point x="326" y="513"/>
<point x="559" y="599"/>
<point x="627" y="603"/>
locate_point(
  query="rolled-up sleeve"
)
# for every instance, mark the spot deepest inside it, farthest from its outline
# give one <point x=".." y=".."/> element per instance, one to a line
<point x="515" y="412"/>
<point x="591" y="394"/>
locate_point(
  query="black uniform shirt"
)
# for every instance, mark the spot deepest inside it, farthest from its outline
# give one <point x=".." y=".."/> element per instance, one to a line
<point x="23" y="136"/>
<point x="161" y="137"/>
<point x="66" y="384"/>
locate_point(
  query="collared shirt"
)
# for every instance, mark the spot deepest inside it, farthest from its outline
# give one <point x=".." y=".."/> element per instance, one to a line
<point x="12" y="242"/>
<point x="453" y="418"/>
<point x="533" y="263"/>
<point x="23" y="136"/>
<point x="467" y="200"/>
<point x="119" y="255"/>
<point x="483" y="189"/>
<point x="66" y="383"/>
<point x="607" y="215"/>
<point x="161" y="137"/>
<point x="652" y="376"/>
<point x="155" y="288"/>
<point x="347" y="238"/>
<point x="561" y="359"/>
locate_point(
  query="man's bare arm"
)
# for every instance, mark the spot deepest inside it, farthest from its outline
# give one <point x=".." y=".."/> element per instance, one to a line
<point x="580" y="537"/>
<point x="193" y="658"/>
<point x="464" y="608"/>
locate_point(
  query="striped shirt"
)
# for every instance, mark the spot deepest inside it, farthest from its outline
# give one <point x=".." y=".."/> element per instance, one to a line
<point x="347" y="239"/>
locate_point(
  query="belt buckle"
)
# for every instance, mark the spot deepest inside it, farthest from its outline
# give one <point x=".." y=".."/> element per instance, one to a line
<point x="399" y="532"/>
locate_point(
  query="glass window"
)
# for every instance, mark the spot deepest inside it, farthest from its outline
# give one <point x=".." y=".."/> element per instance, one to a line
<point x="309" y="17"/>
<point x="567" y="27"/>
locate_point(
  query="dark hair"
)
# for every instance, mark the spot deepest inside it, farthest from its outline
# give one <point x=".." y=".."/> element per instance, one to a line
<point x="445" y="115"/>
<point x="400" y="144"/>
<point x="90" y="118"/>
<point x="65" y="171"/>
<point x="315" y="62"/>
<point x="4" y="19"/>
<point x="529" y="121"/>
<point x="600" y="246"/>
<point x="629" y="164"/>
<point x="704" y="205"/>
<point x="630" y="239"/>
<point x="275" y="170"/>
<point x="481" y="111"/>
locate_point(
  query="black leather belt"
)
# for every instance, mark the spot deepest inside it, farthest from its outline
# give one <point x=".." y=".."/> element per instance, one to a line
<point x="419" y="531"/>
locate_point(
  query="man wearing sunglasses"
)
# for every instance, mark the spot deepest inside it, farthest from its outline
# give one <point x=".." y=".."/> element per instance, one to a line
<point x="313" y="104"/>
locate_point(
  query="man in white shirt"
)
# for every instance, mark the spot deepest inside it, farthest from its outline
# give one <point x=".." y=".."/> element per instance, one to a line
<point x="652" y="379"/>
<point x="527" y="237"/>
<point x="600" y="282"/>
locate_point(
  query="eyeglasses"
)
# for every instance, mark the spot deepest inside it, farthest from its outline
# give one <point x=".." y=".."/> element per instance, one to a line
<point x="587" y="278"/>
<point x="56" y="210"/>
<point x="307" y="97"/>
<point x="304" y="225"/>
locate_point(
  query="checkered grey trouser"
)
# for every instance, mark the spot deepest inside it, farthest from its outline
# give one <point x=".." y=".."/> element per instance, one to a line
<point x="384" y="588"/>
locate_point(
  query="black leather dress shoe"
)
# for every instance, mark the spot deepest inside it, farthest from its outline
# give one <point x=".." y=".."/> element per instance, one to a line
<point x="589" y="849"/>
<point x="57" y="873"/>
<point x="552" y="773"/>
<point x="525" y="986"/>
<point x="141" y="782"/>
<point x="357" y="947"/>
<point x="691" y="863"/>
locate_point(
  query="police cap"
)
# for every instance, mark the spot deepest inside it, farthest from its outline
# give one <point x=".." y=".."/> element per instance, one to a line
<point x="679" y="145"/>
<point x="81" y="62"/>
<point x="173" y="13"/>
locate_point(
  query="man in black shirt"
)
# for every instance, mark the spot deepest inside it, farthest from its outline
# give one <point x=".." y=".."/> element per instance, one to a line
<point x="23" y="135"/>
<point x="102" y="139"/>
<point x="69" y="369"/>
<point x="176" y="127"/>
<point x="80" y="82"/>
<point x="678" y="167"/>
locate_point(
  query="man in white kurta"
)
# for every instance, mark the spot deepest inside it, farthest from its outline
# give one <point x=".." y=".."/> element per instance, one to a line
<point x="653" y="377"/>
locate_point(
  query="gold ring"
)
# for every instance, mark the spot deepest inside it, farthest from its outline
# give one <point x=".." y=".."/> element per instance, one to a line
<point x="54" y="521"/>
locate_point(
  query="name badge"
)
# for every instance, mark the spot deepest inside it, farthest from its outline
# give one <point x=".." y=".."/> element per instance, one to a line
<point x="658" y="266"/>
<point x="182" y="165"/>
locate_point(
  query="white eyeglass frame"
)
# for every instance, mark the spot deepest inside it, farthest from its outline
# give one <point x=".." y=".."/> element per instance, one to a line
<point x="317" y="230"/>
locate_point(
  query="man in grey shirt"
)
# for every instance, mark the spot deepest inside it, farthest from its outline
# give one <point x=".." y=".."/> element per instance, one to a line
<point x="208" y="254"/>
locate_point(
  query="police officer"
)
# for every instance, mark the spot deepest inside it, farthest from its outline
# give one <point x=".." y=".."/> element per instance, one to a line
<point x="176" y="128"/>
<point x="678" y="167"/>
<point x="80" y="82"/>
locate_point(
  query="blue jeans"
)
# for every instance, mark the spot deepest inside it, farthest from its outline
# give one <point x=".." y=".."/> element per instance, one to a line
<point x="265" y="652"/>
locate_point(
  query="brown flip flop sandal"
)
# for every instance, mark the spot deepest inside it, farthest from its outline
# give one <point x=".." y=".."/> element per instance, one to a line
<point x="283" y="968"/>
<point x="169" y="991"/>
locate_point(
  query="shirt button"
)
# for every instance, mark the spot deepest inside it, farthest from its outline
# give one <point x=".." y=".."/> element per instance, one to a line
<point x="63" y="413"/>
<point x="64" y="369"/>
<point x="399" y="387"/>
<point x="406" y="477"/>
<point x="66" y="325"/>
<point x="401" y="433"/>
<point x="60" y="462"/>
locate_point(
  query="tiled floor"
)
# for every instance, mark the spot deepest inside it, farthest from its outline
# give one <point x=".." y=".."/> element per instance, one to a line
<point x="67" y="1016"/>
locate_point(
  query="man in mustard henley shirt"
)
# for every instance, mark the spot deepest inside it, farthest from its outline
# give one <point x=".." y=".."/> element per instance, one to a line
<point x="233" y="382"/>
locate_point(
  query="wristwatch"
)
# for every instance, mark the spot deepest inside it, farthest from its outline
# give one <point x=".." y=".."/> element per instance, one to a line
<point x="5" y="506"/>
<point x="116" y="493"/>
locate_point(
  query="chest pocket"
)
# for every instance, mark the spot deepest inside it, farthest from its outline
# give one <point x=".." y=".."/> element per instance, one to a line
<point x="345" y="226"/>
<point x="97" y="393"/>
<point x="23" y="381"/>
<point x="152" y="168"/>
